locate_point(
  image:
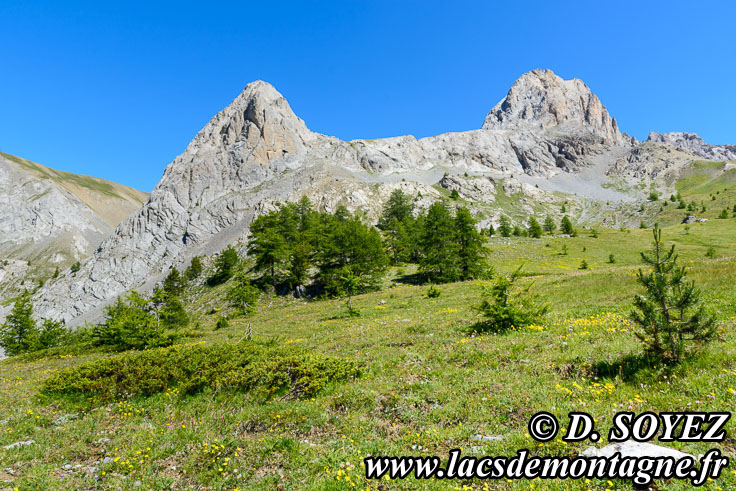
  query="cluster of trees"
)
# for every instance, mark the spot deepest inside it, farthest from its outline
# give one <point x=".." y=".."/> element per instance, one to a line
<point x="139" y="322"/>
<point x="21" y="333"/>
<point x="446" y="244"/>
<point x="534" y="228"/>
<point x="724" y="213"/>
<point x="295" y="245"/>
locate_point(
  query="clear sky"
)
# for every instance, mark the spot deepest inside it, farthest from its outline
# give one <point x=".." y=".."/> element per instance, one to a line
<point x="118" y="89"/>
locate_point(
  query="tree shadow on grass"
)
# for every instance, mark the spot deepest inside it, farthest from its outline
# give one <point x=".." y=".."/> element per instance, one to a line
<point x="484" y="328"/>
<point x="413" y="279"/>
<point x="626" y="367"/>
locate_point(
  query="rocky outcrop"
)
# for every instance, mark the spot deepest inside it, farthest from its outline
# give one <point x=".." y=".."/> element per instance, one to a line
<point x="50" y="219"/>
<point x="650" y="161"/>
<point x="692" y="143"/>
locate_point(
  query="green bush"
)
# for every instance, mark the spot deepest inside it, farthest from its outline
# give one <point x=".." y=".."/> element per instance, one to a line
<point x="194" y="269"/>
<point x="22" y="334"/>
<point x="433" y="292"/>
<point x="284" y="371"/>
<point x="225" y="266"/>
<point x="506" y="308"/>
<point x="131" y="323"/>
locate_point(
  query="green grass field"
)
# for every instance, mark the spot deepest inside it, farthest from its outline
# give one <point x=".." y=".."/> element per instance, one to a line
<point x="427" y="385"/>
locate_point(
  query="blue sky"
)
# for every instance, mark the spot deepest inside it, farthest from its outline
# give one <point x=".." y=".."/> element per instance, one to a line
<point x="117" y="90"/>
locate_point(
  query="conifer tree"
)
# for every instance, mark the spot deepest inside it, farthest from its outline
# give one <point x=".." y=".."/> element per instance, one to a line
<point x="243" y="295"/>
<point x="506" y="307"/>
<point x="131" y="323"/>
<point x="347" y="246"/>
<point x="166" y="305"/>
<point x="670" y="317"/>
<point x="549" y="225"/>
<point x="504" y="227"/>
<point x="194" y="269"/>
<point x="439" y="260"/>
<point x="172" y="314"/>
<point x="470" y="258"/>
<point x="18" y="333"/>
<point x="174" y="283"/>
<point x="535" y="230"/>
<point x="50" y="333"/>
<point x="398" y="225"/>
<point x="566" y="226"/>
<point x="399" y="207"/>
<point x="269" y="243"/>
<point x="225" y="265"/>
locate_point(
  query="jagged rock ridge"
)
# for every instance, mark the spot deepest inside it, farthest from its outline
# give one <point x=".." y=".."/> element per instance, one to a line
<point x="692" y="143"/>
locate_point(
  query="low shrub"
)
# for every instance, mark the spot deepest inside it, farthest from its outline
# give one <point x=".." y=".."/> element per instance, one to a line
<point x="433" y="292"/>
<point x="506" y="307"/>
<point x="247" y="366"/>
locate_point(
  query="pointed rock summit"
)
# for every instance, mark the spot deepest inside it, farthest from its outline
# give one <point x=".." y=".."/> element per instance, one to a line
<point x="540" y="100"/>
<point x="260" y="122"/>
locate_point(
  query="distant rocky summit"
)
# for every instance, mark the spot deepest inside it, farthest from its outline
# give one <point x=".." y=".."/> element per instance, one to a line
<point x="540" y="100"/>
<point x="692" y="143"/>
<point x="547" y="142"/>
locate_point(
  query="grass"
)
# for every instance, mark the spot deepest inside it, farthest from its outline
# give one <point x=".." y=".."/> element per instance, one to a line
<point x="427" y="383"/>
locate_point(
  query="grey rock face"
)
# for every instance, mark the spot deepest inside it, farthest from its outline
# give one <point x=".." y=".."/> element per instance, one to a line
<point x="692" y="143"/>
<point x="50" y="218"/>
<point x="651" y="161"/>
<point x="540" y="99"/>
<point x="257" y="152"/>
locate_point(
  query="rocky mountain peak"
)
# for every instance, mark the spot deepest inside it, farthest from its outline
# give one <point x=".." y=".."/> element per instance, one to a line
<point x="261" y="121"/>
<point x="540" y="99"/>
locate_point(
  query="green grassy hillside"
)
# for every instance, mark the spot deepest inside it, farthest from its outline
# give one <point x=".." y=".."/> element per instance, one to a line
<point x="427" y="383"/>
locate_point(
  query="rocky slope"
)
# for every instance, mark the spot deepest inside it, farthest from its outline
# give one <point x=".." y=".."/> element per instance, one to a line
<point x="692" y="143"/>
<point x="49" y="219"/>
<point x="546" y="137"/>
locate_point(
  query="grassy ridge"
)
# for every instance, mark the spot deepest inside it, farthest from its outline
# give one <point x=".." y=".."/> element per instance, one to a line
<point x="87" y="182"/>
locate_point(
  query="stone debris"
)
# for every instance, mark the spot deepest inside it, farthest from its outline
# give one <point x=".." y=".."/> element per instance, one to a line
<point x="23" y="443"/>
<point x="634" y="449"/>
<point x="486" y="438"/>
